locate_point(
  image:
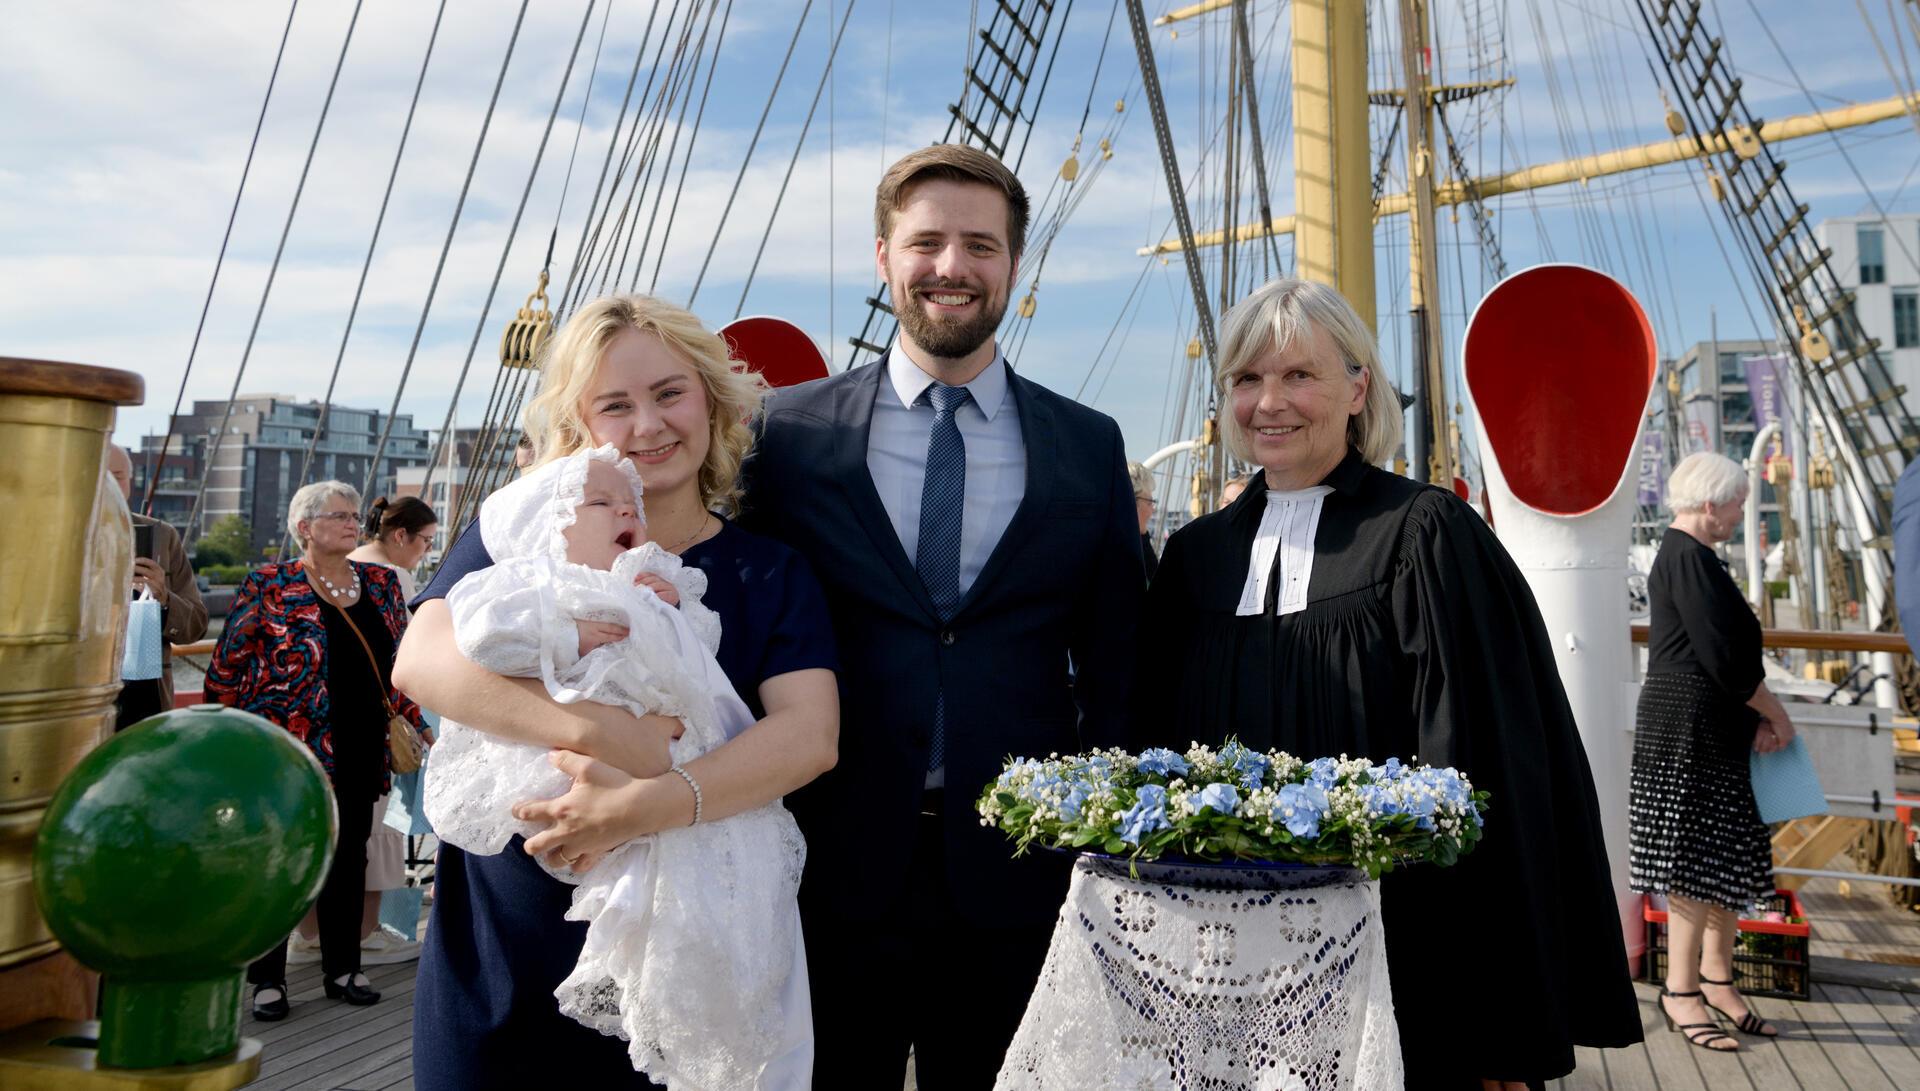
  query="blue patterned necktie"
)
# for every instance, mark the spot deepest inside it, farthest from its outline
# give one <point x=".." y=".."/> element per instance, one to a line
<point x="942" y="501"/>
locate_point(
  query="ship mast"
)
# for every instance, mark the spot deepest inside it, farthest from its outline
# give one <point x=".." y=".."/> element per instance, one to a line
<point x="1427" y="449"/>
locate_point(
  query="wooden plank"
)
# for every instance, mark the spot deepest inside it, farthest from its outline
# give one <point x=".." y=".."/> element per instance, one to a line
<point x="1884" y="1043"/>
<point x="1674" y="1064"/>
<point x="315" y="1017"/>
<point x="1589" y="1071"/>
<point x="397" y="1069"/>
<point x="1631" y="1069"/>
<point x="1823" y="1033"/>
<point x="380" y="1051"/>
<point x="287" y="1067"/>
<point x="1901" y="1011"/>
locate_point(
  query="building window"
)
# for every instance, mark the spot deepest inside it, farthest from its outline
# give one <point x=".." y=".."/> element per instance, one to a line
<point x="1906" y="318"/>
<point x="1873" y="256"/>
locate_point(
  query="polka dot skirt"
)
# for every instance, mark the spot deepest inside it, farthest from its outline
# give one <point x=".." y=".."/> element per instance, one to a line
<point x="1695" y="829"/>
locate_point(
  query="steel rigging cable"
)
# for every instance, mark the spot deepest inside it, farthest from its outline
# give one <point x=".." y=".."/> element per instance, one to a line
<point x="156" y="465"/>
<point x="226" y="414"/>
<point x="546" y="268"/>
<point x="326" y="402"/>
<point x="791" y="163"/>
<point x="513" y="228"/>
<point x="751" y="145"/>
<point x="433" y="286"/>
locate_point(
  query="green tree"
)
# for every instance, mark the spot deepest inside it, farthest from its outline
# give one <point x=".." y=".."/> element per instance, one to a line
<point x="228" y="541"/>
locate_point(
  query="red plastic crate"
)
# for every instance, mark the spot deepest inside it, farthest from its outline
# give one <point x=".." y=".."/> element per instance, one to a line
<point x="1780" y="967"/>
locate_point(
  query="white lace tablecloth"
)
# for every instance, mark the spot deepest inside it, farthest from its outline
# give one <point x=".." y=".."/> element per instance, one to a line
<point x="1178" y="980"/>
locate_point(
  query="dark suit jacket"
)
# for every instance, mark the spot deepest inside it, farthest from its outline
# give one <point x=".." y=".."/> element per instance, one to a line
<point x="1036" y="659"/>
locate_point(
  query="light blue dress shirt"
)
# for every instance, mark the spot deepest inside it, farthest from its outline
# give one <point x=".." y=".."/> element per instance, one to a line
<point x="996" y="458"/>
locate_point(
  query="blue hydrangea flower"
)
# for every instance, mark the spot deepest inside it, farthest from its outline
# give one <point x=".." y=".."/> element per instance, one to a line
<point x="1251" y="765"/>
<point x="1381" y="801"/>
<point x="1076" y="798"/>
<point x="1162" y="762"/>
<point x="1299" y="808"/>
<point x="1391" y="771"/>
<point x="1147" y="815"/>
<point x="1323" y="773"/>
<point x="1221" y="797"/>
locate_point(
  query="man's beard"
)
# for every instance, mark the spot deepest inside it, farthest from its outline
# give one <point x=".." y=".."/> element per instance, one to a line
<point x="945" y="338"/>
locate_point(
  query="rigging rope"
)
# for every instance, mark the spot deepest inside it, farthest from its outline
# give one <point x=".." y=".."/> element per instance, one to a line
<point x="226" y="413"/>
<point x="513" y="229"/>
<point x="727" y="210"/>
<point x="613" y="140"/>
<point x="673" y="212"/>
<point x="366" y="264"/>
<point x="792" y="162"/>
<point x="673" y="148"/>
<point x="433" y="287"/>
<point x="155" y="466"/>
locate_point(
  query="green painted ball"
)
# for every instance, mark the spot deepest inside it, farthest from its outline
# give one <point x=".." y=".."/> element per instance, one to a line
<point x="188" y="843"/>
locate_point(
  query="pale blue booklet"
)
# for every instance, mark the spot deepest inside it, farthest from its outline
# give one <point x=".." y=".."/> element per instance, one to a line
<point x="1785" y="784"/>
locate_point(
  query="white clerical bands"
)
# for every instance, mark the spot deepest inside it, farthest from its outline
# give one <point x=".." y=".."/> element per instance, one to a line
<point x="695" y="785"/>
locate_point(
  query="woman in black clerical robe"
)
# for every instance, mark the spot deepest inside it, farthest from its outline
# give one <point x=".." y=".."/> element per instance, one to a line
<point x="1335" y="608"/>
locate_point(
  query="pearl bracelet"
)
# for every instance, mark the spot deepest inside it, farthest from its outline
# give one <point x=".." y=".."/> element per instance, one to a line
<point x="695" y="785"/>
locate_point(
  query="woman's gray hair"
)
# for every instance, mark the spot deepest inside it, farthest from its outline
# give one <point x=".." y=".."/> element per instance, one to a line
<point x="1142" y="479"/>
<point x="311" y="499"/>
<point x="1269" y="320"/>
<point x="1702" y="478"/>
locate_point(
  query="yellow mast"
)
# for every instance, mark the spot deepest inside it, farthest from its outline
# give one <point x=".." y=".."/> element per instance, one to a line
<point x="1619" y="161"/>
<point x="1427" y="451"/>
<point x="1332" y="185"/>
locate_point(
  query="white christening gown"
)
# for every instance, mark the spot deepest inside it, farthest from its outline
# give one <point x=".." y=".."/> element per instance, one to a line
<point x="693" y="951"/>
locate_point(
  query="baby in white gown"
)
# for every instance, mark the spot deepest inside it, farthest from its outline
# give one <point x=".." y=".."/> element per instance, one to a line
<point x="693" y="951"/>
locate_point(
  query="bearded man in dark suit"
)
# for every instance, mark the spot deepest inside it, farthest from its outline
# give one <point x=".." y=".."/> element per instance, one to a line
<point x="977" y="538"/>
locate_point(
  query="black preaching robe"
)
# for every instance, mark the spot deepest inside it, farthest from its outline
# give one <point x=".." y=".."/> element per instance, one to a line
<point x="1420" y="638"/>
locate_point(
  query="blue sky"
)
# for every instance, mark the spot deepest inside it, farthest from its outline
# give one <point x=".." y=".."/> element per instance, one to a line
<point x="116" y="185"/>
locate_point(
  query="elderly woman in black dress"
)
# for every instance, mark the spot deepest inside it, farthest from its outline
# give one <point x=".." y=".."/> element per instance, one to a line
<point x="1335" y="608"/>
<point x="1696" y="832"/>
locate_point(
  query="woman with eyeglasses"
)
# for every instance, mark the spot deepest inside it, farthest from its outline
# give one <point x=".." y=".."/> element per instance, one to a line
<point x="309" y="645"/>
<point x="399" y="532"/>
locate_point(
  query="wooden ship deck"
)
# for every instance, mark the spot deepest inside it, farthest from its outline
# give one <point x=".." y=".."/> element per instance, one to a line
<point x="1860" y="1030"/>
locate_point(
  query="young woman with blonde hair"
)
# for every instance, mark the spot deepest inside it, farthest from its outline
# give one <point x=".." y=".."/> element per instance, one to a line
<point x="646" y="376"/>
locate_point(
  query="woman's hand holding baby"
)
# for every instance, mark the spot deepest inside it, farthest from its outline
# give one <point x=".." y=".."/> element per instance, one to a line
<point x="603" y="810"/>
<point x="635" y="745"/>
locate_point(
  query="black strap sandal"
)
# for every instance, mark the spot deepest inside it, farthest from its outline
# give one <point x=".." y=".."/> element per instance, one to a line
<point x="1749" y="1023"/>
<point x="1707" y="1036"/>
<point x="271" y="1011"/>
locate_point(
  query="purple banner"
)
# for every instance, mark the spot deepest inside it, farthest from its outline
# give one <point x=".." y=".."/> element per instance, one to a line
<point x="1767" y="387"/>
<point x="1653" y="468"/>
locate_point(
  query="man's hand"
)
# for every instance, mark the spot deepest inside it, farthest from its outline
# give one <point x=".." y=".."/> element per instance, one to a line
<point x="598" y="634"/>
<point x="147" y="573"/>
<point x="668" y="593"/>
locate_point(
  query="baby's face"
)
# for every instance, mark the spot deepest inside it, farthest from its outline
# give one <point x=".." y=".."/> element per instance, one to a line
<point x="606" y="523"/>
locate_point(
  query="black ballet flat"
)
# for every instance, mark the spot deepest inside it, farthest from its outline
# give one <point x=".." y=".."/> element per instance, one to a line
<point x="1707" y="1036"/>
<point x="1748" y="1024"/>
<point x="271" y="1011"/>
<point x="357" y="995"/>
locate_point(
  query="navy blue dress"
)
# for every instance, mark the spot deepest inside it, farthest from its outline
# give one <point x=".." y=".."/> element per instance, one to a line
<point x="499" y="942"/>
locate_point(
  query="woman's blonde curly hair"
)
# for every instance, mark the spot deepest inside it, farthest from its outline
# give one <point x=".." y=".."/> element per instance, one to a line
<point x="569" y="360"/>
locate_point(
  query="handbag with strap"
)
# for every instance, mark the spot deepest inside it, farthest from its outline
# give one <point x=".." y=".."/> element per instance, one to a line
<point x="404" y="745"/>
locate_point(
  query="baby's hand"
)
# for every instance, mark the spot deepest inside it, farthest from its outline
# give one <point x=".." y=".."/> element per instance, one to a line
<point x="667" y="592"/>
<point x="598" y="634"/>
